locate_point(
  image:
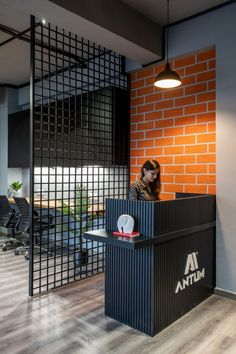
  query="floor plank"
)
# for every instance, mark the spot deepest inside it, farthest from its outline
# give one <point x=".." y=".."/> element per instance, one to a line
<point x="71" y="320"/>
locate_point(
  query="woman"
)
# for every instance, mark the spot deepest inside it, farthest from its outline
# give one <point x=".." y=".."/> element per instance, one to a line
<point x="148" y="187"/>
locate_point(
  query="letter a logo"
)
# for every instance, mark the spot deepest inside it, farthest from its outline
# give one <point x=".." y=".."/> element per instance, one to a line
<point x="191" y="263"/>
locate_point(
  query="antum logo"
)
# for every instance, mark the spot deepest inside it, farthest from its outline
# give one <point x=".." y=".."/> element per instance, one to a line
<point x="191" y="266"/>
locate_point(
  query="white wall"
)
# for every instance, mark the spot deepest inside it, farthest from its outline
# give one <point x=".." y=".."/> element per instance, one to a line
<point x="218" y="28"/>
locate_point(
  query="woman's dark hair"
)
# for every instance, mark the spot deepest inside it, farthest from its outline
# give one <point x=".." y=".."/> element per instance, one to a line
<point x="156" y="185"/>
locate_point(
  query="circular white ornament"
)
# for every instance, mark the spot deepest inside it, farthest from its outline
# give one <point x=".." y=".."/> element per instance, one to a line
<point x="125" y="224"/>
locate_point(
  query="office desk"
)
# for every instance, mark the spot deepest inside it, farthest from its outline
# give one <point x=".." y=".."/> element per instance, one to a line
<point x="57" y="204"/>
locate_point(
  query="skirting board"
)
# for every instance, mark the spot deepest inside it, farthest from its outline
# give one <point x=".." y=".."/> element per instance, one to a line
<point x="229" y="294"/>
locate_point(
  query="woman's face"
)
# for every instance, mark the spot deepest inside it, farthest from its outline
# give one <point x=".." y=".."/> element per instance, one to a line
<point x="151" y="175"/>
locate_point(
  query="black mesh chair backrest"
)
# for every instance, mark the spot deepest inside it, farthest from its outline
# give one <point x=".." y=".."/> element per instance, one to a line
<point x="5" y="210"/>
<point x="24" y="211"/>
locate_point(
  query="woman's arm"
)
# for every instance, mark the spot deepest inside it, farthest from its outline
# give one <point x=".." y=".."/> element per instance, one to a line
<point x="133" y="192"/>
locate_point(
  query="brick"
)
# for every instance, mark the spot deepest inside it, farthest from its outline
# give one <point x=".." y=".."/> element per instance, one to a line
<point x="133" y="93"/>
<point x="150" y="81"/>
<point x="208" y="96"/>
<point x="141" y="160"/>
<point x="210" y="54"/>
<point x="174" y="169"/>
<point x="145" y="143"/>
<point x="211" y="127"/>
<point x="137" y="84"/>
<point x="144" y="91"/>
<point x="206" y="179"/>
<point x="196" y="128"/>
<point x="145" y="126"/>
<point x="207" y="158"/>
<point x="165" y="160"/>
<point x="206" y="117"/>
<point x="153" y="98"/>
<point x="211" y="85"/>
<point x="167" y="196"/>
<point x="196" y="168"/>
<point x="212" y="168"/>
<point x="159" y="68"/>
<point x="134" y="169"/>
<point x="133" y="145"/>
<point x="133" y="110"/>
<point x="206" y="138"/>
<point x="164" y="123"/>
<point x="195" y="88"/>
<point x="181" y="140"/>
<point x="188" y="80"/>
<point x="211" y="106"/>
<point x="136" y="136"/>
<point x="164" y="104"/>
<point x="145" y="108"/>
<point x="164" y="141"/>
<point x="185" y="101"/>
<point x="145" y="73"/>
<point x="185" y="120"/>
<point x="212" y="64"/>
<point x="212" y="148"/>
<point x="195" y="149"/>
<point x="185" y="159"/>
<point x="176" y="112"/>
<point x="184" y="62"/>
<point x="195" y="189"/>
<point x="153" y="115"/>
<point x="174" y="93"/>
<point x="173" y="188"/>
<point x="167" y="178"/>
<point x="133" y="178"/>
<point x="153" y="152"/>
<point x="208" y="75"/>
<point x="175" y="150"/>
<point x="173" y="131"/>
<point x="133" y="161"/>
<point x="137" y="118"/>
<point x="185" y="179"/>
<point x="136" y="152"/>
<point x="211" y="189"/>
<point x="153" y="134"/>
<point x="137" y="101"/>
<point x="197" y="68"/>
<point x="197" y="108"/>
<point x="133" y="127"/>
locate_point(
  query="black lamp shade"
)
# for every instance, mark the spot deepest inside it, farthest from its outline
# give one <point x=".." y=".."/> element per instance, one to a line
<point x="167" y="78"/>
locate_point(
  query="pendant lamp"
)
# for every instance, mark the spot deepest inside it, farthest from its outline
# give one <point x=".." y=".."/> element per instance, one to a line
<point x="167" y="78"/>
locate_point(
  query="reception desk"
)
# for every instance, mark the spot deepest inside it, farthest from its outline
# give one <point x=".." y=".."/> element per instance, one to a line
<point x="155" y="278"/>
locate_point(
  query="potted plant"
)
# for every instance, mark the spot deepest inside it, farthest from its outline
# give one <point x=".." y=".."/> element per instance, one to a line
<point x="78" y="220"/>
<point x="15" y="188"/>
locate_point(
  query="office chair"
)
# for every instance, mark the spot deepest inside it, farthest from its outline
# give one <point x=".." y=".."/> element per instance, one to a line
<point x="8" y="219"/>
<point x="41" y="223"/>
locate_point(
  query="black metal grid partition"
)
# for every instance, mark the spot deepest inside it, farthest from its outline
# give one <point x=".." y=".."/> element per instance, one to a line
<point x="80" y="129"/>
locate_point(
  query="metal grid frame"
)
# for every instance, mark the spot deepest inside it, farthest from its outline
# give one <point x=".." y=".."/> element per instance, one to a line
<point x="79" y="152"/>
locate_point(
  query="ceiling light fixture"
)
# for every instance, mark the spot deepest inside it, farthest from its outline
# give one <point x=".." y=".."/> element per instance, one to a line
<point x="167" y="78"/>
<point x="44" y="21"/>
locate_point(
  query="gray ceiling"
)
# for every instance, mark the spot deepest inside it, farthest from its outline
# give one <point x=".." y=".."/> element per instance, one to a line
<point x="99" y="24"/>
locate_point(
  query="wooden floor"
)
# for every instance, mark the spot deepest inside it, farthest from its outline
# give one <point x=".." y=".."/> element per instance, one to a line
<point x="71" y="320"/>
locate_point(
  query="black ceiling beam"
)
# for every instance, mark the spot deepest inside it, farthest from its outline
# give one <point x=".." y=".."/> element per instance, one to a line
<point x="10" y="31"/>
<point x="21" y="36"/>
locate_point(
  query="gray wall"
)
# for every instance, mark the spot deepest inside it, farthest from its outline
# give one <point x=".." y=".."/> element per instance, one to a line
<point x="218" y="28"/>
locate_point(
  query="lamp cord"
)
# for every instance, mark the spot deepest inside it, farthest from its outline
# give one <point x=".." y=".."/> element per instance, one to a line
<point x="167" y="29"/>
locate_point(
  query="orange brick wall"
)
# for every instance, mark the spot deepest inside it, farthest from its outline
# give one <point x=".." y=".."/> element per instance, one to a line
<point x="176" y="127"/>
